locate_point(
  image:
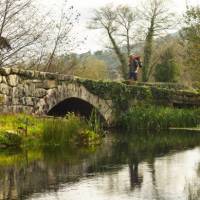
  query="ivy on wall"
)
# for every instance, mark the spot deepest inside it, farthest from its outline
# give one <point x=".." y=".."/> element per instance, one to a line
<point x="124" y="95"/>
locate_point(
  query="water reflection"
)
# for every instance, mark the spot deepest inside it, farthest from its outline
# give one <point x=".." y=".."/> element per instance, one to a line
<point x="164" y="166"/>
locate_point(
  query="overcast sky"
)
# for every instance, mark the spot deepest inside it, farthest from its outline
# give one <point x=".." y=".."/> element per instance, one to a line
<point x="85" y="7"/>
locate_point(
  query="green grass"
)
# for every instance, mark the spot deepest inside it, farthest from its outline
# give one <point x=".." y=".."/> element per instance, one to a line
<point x="157" y="118"/>
<point x="20" y="122"/>
<point x="35" y="131"/>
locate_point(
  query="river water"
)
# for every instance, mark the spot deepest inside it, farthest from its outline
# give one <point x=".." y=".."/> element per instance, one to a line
<point x="122" y="168"/>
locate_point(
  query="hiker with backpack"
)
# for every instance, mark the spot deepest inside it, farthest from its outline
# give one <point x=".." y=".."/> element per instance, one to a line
<point x="134" y="65"/>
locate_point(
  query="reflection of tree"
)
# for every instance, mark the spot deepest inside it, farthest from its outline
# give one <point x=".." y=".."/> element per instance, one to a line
<point x="8" y="189"/>
<point x="135" y="178"/>
<point x="151" y="165"/>
<point x="198" y="171"/>
<point x="194" y="188"/>
<point x="52" y="168"/>
<point x="25" y="176"/>
<point x="194" y="191"/>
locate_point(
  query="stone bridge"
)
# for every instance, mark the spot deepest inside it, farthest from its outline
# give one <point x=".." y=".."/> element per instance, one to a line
<point x="45" y="93"/>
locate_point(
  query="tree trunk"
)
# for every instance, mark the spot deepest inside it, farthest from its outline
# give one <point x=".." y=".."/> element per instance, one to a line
<point x="148" y="51"/>
<point x="119" y="54"/>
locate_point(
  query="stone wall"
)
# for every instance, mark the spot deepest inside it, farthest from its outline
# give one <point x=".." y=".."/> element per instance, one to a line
<point x="38" y="92"/>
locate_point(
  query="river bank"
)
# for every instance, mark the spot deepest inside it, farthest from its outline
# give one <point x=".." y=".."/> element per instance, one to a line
<point x="22" y="130"/>
<point x="28" y="131"/>
<point x="159" y="118"/>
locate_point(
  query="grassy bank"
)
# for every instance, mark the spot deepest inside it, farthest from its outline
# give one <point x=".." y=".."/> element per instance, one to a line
<point x="25" y="130"/>
<point x="69" y="130"/>
<point x="158" y="118"/>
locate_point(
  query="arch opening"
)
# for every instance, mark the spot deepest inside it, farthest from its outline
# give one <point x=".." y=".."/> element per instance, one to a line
<point x="77" y="106"/>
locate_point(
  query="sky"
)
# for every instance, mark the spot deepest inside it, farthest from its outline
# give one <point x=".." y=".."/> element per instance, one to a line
<point x="94" y="38"/>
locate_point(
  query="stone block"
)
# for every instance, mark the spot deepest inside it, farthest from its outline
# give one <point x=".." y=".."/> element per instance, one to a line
<point x="22" y="109"/>
<point x="2" y="99"/>
<point x="18" y="91"/>
<point x="28" y="101"/>
<point x="49" y="84"/>
<point x="39" y="93"/>
<point x="51" y="76"/>
<point x="15" y="70"/>
<point x="29" y="89"/>
<point x="26" y="73"/>
<point x="36" y="74"/>
<point x="62" y="77"/>
<point x="5" y="89"/>
<point x="17" y="101"/>
<point x="42" y="75"/>
<point x="4" y="80"/>
<point x="7" y="100"/>
<point x="13" y="80"/>
<point x="5" y="71"/>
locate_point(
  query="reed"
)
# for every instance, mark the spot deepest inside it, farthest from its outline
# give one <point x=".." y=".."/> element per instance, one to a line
<point x="35" y="131"/>
<point x="71" y="130"/>
<point x="158" y="118"/>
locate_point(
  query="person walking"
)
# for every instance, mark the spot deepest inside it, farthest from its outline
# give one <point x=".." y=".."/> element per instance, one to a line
<point x="134" y="65"/>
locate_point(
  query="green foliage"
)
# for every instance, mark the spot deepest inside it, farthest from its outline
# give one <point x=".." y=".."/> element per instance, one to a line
<point x="36" y="131"/>
<point x="167" y="70"/>
<point x="196" y="85"/>
<point x="124" y="95"/>
<point x="191" y="38"/>
<point x="71" y="130"/>
<point x="145" y="145"/>
<point x="87" y="138"/>
<point x="92" y="68"/>
<point x="21" y="124"/>
<point x="94" y="122"/>
<point x="60" y="131"/>
<point x="156" y="118"/>
<point x="8" y="139"/>
<point x="121" y="94"/>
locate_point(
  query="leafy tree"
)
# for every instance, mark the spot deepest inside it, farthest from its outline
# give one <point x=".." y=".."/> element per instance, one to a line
<point x="167" y="70"/>
<point x="191" y="38"/>
<point x="92" y="68"/>
<point x="156" y="20"/>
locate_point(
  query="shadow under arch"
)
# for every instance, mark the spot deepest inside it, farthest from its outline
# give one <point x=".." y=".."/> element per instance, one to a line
<point x="77" y="106"/>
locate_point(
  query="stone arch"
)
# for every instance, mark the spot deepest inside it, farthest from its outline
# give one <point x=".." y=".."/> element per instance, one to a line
<point x="76" y="105"/>
<point x="74" y="91"/>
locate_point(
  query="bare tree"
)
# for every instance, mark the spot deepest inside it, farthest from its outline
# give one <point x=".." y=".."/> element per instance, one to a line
<point x="156" y="20"/>
<point x="4" y="43"/>
<point x="105" y="18"/>
<point x="127" y="24"/>
<point x="20" y="28"/>
<point x="119" y="25"/>
<point x="62" y="29"/>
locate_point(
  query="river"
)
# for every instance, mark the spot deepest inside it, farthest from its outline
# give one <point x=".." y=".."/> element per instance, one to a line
<point x="124" y="167"/>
